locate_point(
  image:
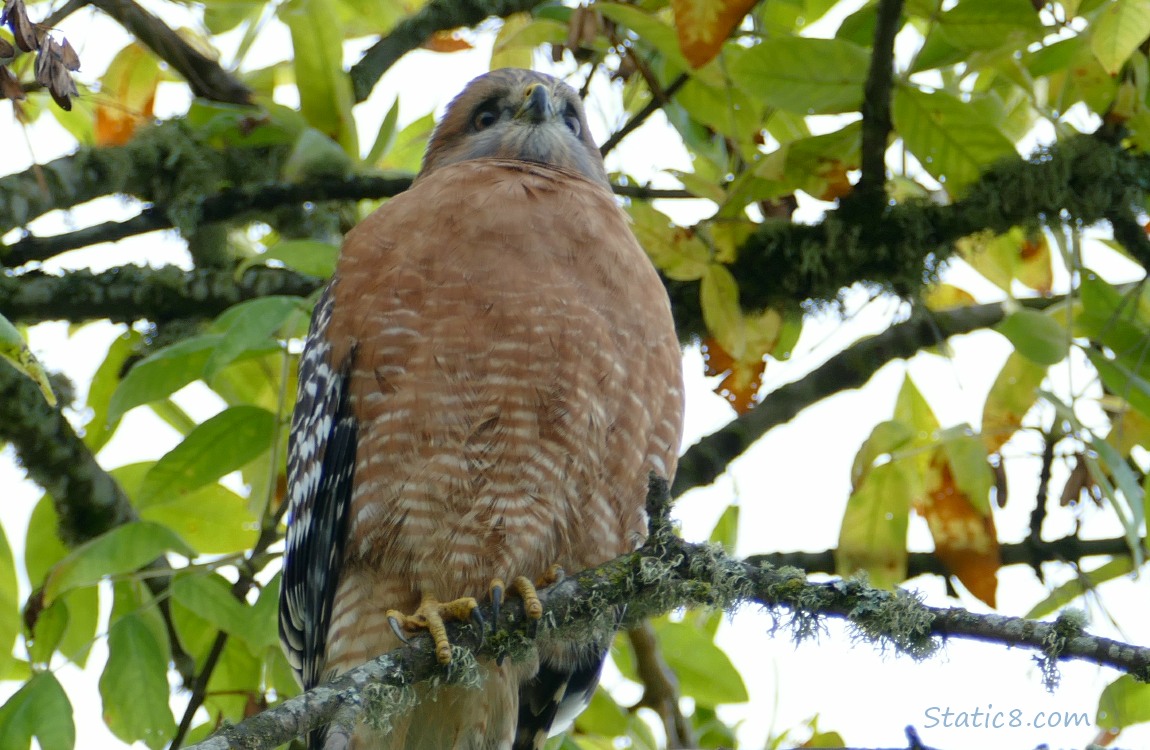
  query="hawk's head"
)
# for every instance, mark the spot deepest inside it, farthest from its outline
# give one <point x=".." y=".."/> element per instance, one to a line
<point x="516" y="114"/>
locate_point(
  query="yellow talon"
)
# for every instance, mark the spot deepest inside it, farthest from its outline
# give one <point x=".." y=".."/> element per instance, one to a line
<point x="431" y="616"/>
<point x="531" y="604"/>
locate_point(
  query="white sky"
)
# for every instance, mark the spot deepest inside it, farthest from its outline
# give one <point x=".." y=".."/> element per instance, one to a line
<point x="792" y="486"/>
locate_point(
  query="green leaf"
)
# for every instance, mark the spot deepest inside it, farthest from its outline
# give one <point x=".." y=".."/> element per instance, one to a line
<point x="124" y="549"/>
<point x="719" y="296"/>
<point x="254" y="329"/>
<point x="884" y="440"/>
<point x="912" y="410"/>
<point x="1123" y="703"/>
<point x="1122" y="381"/>
<point x="1079" y="585"/>
<point x="213" y="520"/>
<point x="650" y="29"/>
<point x="219" y="446"/>
<point x="42" y="550"/>
<point x="973" y="476"/>
<point x="603" y="716"/>
<point x="677" y="252"/>
<point x="315" y="154"/>
<point x="1036" y="336"/>
<point x="100" y="428"/>
<point x="210" y="596"/>
<point x="235" y="681"/>
<point x="9" y="604"/>
<point x="383" y="141"/>
<point x="312" y="257"/>
<point x="805" y="75"/>
<point x="947" y="136"/>
<point x="39" y="709"/>
<point x="990" y="24"/>
<point x="163" y="373"/>
<point x="406" y="153"/>
<point x="1117" y="32"/>
<point x="1012" y="395"/>
<point x="325" y="92"/>
<point x="134" y="685"/>
<point x="51" y="622"/>
<point x="704" y="670"/>
<point x="873" y="532"/>
<point x="16" y="351"/>
<point x="726" y="531"/>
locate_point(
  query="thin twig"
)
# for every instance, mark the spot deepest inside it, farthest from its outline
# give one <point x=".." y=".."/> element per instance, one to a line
<point x="641" y="116"/>
<point x="660" y="686"/>
<point x="1067" y="549"/>
<point x="203" y="74"/>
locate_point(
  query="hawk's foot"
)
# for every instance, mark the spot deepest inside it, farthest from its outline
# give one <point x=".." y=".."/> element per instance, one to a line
<point x="526" y="590"/>
<point x="431" y="616"/>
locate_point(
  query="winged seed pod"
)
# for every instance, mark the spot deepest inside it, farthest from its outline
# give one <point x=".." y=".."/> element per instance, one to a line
<point x="16" y="16"/>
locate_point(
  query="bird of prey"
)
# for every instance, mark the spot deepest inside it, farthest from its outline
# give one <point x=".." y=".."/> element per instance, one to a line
<point x="488" y="380"/>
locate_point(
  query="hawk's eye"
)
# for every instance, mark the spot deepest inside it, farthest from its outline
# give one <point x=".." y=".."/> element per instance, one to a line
<point x="484" y="118"/>
<point x="571" y="118"/>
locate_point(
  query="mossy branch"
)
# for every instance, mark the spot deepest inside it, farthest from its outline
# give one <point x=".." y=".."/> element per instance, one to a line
<point x="129" y="293"/>
<point x="664" y="574"/>
<point x="87" y="499"/>
<point x="167" y="165"/>
<point x="1082" y="180"/>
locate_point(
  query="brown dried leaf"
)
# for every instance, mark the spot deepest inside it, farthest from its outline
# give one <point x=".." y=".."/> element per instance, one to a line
<point x="446" y="41"/>
<point x="69" y="57"/>
<point x="964" y="540"/>
<point x="45" y="60"/>
<point x="1078" y="481"/>
<point x="21" y="25"/>
<point x="62" y="87"/>
<point x="7" y="51"/>
<point x="703" y="26"/>
<point x="10" y="87"/>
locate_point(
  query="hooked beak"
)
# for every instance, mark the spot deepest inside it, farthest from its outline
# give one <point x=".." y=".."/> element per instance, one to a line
<point x="536" y="106"/>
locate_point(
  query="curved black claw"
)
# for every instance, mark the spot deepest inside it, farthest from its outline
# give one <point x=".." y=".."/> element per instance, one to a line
<point x="479" y="623"/>
<point x="397" y="629"/>
<point x="496" y="602"/>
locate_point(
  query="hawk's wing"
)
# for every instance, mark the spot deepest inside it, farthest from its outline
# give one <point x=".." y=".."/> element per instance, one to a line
<point x="321" y="467"/>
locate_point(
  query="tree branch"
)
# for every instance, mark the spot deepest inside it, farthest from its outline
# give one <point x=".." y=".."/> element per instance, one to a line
<point x="708" y="458"/>
<point x="87" y="500"/>
<point x="664" y="574"/>
<point x="1083" y="179"/>
<point x="660" y="686"/>
<point x="203" y="74"/>
<point x="1066" y="549"/>
<point x="414" y="30"/>
<point x="876" y="123"/>
<point x="168" y="165"/>
<point x="129" y="293"/>
<point x="234" y="203"/>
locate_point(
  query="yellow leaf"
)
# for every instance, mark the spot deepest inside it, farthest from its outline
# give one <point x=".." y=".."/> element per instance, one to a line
<point x="703" y="26"/>
<point x="676" y="251"/>
<point x="127" y="94"/>
<point x="964" y="539"/>
<point x="719" y="297"/>
<point x="946" y="297"/>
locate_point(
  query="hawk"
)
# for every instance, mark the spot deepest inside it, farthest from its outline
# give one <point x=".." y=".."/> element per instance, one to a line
<point x="487" y="382"/>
